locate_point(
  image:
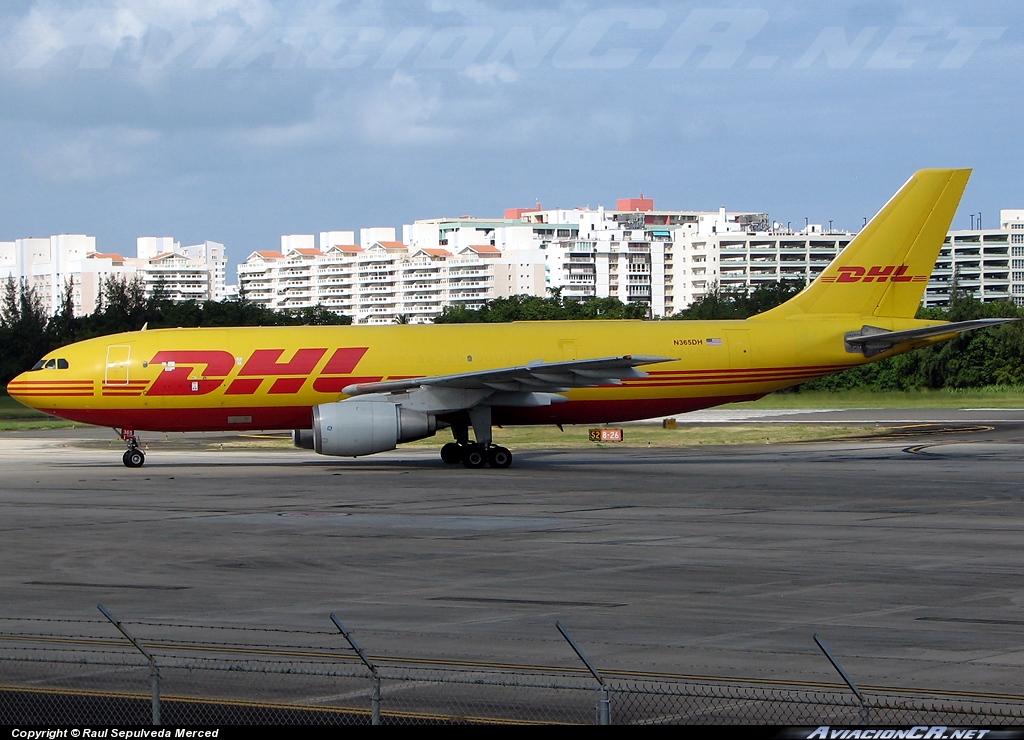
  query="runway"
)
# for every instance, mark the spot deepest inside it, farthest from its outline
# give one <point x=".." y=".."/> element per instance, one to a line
<point x="904" y="553"/>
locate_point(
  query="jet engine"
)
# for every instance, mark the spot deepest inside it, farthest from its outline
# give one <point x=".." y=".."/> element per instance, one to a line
<point x="356" y="427"/>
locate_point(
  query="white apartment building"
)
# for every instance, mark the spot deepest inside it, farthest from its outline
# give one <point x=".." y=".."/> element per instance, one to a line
<point x="664" y="259"/>
<point x="632" y="253"/>
<point x="49" y="264"/>
<point x="987" y="263"/>
<point x="214" y="256"/>
<point x="744" y="260"/>
<point x="386" y="281"/>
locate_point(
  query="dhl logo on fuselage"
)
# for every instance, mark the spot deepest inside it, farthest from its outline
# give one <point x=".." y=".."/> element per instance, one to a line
<point x="199" y="372"/>
<point x="875" y="274"/>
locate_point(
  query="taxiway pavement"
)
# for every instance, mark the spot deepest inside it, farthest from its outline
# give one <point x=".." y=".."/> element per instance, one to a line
<point x="904" y="554"/>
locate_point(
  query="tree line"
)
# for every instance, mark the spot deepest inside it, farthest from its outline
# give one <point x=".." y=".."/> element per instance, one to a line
<point x="989" y="357"/>
<point x="534" y="308"/>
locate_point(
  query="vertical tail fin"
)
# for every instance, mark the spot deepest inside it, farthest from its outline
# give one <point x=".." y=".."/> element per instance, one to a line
<point x="885" y="269"/>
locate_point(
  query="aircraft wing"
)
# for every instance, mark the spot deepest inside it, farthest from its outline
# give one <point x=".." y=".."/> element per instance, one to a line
<point x="538" y="376"/>
<point x="872" y="340"/>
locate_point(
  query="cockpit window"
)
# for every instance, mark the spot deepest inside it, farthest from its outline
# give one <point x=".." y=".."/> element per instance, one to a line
<point x="53" y="363"/>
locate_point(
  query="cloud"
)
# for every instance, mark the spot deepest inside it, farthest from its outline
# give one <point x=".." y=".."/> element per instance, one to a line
<point x="90" y="156"/>
<point x="91" y="35"/>
<point x="399" y="111"/>
<point x="406" y="111"/>
<point x="491" y="73"/>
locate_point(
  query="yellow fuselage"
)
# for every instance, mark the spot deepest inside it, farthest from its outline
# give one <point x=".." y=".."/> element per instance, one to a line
<point x="271" y="378"/>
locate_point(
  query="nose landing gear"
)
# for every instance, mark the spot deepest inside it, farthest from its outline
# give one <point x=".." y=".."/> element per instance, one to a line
<point x="133" y="457"/>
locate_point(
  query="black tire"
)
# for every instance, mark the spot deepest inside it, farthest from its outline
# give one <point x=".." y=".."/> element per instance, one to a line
<point x="473" y="456"/>
<point x="134" y="458"/>
<point x="451" y="453"/>
<point x="499" y="457"/>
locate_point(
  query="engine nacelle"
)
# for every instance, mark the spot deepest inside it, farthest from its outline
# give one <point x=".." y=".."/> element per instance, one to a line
<point x="356" y="427"/>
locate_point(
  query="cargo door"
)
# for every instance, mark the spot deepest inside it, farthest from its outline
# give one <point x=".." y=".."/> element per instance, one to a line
<point x="118" y="359"/>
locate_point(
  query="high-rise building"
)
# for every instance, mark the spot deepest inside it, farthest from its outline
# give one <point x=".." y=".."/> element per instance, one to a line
<point x="985" y="263"/>
<point x="52" y="265"/>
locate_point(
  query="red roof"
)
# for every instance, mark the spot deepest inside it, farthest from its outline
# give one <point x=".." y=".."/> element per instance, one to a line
<point x="392" y="245"/>
<point x="484" y="249"/>
<point x="635" y="204"/>
<point x="514" y="213"/>
<point x="268" y="254"/>
<point x="346" y="248"/>
<point x="309" y="251"/>
<point x="102" y="256"/>
<point x="436" y="252"/>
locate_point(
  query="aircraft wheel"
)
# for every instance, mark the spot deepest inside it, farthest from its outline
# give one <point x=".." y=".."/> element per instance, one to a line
<point x="134" y="458"/>
<point x="451" y="453"/>
<point x="499" y="457"/>
<point x="474" y="457"/>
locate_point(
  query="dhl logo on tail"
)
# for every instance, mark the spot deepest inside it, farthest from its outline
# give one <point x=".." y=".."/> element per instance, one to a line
<point x="876" y="274"/>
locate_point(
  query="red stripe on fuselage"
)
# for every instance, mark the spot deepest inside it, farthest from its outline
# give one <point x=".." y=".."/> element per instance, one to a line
<point x="50" y="382"/>
<point x="49" y="393"/>
<point x="726" y="370"/>
<point x="300" y="417"/>
<point x="193" y="420"/>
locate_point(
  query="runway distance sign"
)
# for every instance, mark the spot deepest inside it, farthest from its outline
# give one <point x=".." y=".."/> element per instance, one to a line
<point x="605" y="435"/>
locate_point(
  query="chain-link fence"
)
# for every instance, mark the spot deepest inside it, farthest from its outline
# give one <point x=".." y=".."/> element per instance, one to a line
<point x="85" y="679"/>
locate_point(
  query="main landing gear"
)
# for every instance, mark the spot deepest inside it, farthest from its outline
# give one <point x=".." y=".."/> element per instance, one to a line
<point x="133" y="457"/>
<point x="479" y="453"/>
<point x="474" y="455"/>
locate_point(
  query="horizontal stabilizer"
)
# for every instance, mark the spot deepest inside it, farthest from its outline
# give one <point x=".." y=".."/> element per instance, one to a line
<point x="871" y="340"/>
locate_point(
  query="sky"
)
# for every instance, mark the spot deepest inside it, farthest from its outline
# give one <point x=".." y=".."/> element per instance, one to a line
<point x="242" y="120"/>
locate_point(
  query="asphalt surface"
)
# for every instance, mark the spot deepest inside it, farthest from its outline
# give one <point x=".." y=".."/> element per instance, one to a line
<point x="903" y="553"/>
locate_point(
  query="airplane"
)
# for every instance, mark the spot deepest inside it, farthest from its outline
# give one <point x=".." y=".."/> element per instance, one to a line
<point x="358" y="390"/>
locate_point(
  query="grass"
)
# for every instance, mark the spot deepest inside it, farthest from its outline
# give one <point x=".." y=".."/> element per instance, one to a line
<point x="519" y="438"/>
<point x="15" y="417"/>
<point x="577" y="437"/>
<point x="1010" y="397"/>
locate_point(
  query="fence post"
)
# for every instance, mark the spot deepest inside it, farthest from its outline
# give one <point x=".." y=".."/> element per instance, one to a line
<point x="865" y="714"/>
<point x="154" y="669"/>
<point x="604" y="702"/>
<point x="375" y="696"/>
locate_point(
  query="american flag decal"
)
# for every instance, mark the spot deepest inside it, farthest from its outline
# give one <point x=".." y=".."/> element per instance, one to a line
<point x="714" y="342"/>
